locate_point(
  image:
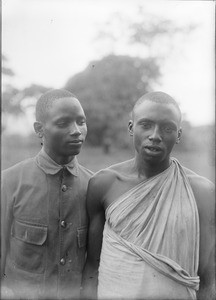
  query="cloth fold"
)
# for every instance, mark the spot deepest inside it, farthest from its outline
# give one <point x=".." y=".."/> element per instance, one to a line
<point x="153" y="231"/>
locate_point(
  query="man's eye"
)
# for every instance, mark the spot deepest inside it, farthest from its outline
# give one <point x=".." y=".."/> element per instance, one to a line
<point x="81" y="122"/>
<point x="168" y="129"/>
<point x="62" y="124"/>
<point x="146" y="125"/>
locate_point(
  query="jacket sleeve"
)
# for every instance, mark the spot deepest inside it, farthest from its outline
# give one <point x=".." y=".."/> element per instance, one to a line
<point x="6" y="220"/>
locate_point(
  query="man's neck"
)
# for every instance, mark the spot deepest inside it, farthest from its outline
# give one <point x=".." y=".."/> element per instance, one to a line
<point x="147" y="169"/>
<point x="60" y="160"/>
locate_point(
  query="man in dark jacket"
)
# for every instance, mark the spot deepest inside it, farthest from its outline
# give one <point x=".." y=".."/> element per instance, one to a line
<point x="44" y="220"/>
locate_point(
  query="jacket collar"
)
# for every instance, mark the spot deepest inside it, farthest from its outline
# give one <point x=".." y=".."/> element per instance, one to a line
<point x="49" y="166"/>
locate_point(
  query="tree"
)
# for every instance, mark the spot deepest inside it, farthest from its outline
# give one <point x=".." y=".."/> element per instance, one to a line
<point x="9" y="103"/>
<point x="18" y="103"/>
<point x="146" y="34"/>
<point x="5" y="69"/>
<point x="108" y="88"/>
<point x="13" y="97"/>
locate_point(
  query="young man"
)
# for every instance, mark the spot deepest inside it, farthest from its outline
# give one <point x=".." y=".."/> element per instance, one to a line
<point x="44" y="220"/>
<point x="158" y="237"/>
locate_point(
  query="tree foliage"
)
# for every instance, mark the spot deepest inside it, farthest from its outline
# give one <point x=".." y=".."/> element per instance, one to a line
<point x="5" y="69"/>
<point x="10" y="101"/>
<point x="16" y="102"/>
<point x="153" y="35"/>
<point x="108" y="88"/>
<point x="12" y="97"/>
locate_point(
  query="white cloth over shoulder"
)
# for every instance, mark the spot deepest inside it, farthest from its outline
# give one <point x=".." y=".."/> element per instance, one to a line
<point x="151" y="241"/>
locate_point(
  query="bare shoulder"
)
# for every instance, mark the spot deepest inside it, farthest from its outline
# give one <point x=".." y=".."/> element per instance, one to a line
<point x="109" y="175"/>
<point x="103" y="180"/>
<point x="122" y="167"/>
<point x="102" y="177"/>
<point x="199" y="183"/>
<point x="204" y="192"/>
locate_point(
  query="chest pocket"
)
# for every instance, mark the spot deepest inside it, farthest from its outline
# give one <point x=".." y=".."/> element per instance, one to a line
<point x="28" y="250"/>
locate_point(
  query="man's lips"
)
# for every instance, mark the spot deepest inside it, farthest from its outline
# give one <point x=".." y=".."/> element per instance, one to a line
<point x="75" y="142"/>
<point x="153" y="148"/>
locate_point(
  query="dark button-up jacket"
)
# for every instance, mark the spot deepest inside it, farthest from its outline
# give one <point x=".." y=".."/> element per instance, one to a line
<point x="44" y="227"/>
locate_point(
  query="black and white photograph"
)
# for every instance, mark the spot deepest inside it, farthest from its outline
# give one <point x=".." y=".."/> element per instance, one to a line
<point x="108" y="150"/>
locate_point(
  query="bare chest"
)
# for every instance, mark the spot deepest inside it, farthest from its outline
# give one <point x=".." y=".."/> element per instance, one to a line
<point x="120" y="186"/>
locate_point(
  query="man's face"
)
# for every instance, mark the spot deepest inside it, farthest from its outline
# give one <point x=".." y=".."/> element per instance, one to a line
<point x="156" y="128"/>
<point x="65" y="129"/>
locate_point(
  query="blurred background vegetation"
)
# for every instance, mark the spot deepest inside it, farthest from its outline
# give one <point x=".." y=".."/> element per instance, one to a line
<point x="107" y="89"/>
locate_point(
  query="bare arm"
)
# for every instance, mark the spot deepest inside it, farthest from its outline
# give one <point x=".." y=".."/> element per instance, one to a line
<point x="204" y="193"/>
<point x="95" y="234"/>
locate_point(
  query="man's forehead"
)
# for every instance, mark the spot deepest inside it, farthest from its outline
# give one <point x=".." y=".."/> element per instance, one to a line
<point x="65" y="106"/>
<point x="64" y="102"/>
<point x="154" y="106"/>
<point x="159" y="110"/>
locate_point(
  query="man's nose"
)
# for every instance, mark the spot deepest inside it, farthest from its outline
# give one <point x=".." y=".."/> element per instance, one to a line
<point x="155" y="134"/>
<point x="74" y="129"/>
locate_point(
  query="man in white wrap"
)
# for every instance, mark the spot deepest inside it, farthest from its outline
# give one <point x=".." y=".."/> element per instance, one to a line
<point x="158" y="238"/>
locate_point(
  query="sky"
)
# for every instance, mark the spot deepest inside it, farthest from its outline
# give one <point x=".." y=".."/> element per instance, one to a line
<point x="48" y="41"/>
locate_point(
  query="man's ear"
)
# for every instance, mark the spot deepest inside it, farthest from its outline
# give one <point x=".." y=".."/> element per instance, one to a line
<point x="130" y="127"/>
<point x="38" y="127"/>
<point x="179" y="135"/>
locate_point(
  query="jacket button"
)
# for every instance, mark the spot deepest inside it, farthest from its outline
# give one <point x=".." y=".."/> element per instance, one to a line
<point x="62" y="261"/>
<point x="63" y="224"/>
<point x="64" y="188"/>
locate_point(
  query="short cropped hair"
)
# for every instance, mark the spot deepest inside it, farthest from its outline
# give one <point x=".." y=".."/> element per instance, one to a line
<point x="157" y="97"/>
<point x="45" y="102"/>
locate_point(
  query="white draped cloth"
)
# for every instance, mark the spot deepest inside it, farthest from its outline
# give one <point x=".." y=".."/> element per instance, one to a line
<point x="150" y="244"/>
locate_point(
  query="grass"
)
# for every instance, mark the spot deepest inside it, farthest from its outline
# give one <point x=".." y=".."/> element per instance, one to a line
<point x="14" y="150"/>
